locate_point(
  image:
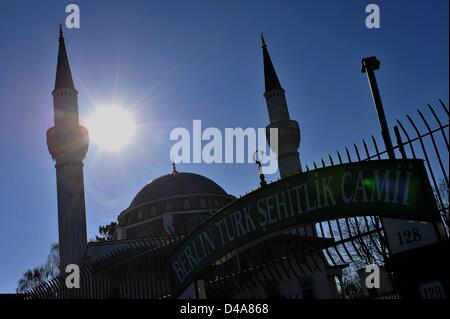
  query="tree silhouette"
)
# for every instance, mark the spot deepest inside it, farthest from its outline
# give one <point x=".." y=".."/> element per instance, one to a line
<point x="106" y="232"/>
<point x="40" y="274"/>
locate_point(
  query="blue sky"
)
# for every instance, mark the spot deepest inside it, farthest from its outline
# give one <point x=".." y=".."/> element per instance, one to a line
<point x="174" y="61"/>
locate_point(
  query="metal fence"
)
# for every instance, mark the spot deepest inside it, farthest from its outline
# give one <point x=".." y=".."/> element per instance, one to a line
<point x="139" y="270"/>
<point x="360" y="241"/>
<point x="347" y="242"/>
<point x="424" y="138"/>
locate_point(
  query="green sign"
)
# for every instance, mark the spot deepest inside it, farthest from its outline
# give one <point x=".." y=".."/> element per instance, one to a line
<point x="388" y="188"/>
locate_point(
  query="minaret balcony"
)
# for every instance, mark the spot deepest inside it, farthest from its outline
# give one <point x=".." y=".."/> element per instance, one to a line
<point x="288" y="132"/>
<point x="68" y="144"/>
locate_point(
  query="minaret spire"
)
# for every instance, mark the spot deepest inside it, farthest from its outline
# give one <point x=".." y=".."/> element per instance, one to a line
<point x="288" y="130"/>
<point x="63" y="78"/>
<point x="270" y="75"/>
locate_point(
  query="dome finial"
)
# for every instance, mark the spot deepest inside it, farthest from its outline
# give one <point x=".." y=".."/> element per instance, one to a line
<point x="258" y="162"/>
<point x="174" y="168"/>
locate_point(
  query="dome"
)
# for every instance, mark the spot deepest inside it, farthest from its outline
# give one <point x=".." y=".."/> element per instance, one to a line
<point x="176" y="184"/>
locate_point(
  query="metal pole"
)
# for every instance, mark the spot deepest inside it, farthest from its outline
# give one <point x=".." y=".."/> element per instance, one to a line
<point x="369" y="65"/>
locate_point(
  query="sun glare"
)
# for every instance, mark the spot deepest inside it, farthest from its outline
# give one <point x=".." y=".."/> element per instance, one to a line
<point x="111" y="127"/>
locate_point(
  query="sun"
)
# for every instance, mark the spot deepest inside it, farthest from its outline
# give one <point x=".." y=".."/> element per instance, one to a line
<point x="111" y="128"/>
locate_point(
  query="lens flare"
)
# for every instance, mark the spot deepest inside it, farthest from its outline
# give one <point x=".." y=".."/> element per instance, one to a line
<point x="111" y="128"/>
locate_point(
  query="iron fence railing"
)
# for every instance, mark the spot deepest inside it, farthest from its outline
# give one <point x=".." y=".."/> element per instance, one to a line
<point x="355" y="241"/>
<point x="427" y="139"/>
<point x="359" y="241"/>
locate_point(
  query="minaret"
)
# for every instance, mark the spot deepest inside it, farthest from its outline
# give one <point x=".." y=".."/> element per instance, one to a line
<point x="68" y="142"/>
<point x="288" y="130"/>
